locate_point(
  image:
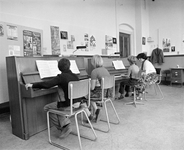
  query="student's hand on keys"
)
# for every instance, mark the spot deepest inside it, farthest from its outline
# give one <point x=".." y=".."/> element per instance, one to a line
<point x="28" y="85"/>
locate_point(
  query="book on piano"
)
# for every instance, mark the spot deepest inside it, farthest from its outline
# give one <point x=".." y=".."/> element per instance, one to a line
<point x="118" y="64"/>
<point x="49" y="68"/>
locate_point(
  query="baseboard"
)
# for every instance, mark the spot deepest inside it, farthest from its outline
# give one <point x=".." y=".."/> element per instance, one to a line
<point x="4" y="108"/>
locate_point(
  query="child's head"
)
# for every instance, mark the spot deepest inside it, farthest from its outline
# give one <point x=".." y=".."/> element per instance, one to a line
<point x="97" y="61"/>
<point x="132" y="59"/>
<point x="64" y="64"/>
<point x="141" y="56"/>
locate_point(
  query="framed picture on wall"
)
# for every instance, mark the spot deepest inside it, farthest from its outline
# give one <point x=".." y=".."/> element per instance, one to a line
<point x="143" y="41"/>
<point x="64" y="35"/>
<point x="114" y="40"/>
<point x="172" y="48"/>
<point x="1" y="30"/>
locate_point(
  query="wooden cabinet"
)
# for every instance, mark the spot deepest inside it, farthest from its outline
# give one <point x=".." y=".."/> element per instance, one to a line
<point x="177" y="75"/>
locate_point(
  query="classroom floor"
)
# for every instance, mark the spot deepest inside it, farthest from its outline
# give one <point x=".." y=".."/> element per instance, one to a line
<point x="156" y="125"/>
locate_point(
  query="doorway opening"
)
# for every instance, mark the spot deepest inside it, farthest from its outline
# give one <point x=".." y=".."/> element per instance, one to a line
<point x="124" y="44"/>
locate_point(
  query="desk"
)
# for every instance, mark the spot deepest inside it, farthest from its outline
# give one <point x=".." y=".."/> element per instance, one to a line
<point x="177" y="75"/>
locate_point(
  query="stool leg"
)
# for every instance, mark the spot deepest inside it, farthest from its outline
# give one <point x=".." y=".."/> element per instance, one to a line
<point x="134" y="100"/>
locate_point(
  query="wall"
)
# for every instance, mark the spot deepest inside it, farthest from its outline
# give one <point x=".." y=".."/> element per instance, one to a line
<point x="77" y="17"/>
<point x="166" y="21"/>
<point x="126" y="21"/>
<point x="96" y="18"/>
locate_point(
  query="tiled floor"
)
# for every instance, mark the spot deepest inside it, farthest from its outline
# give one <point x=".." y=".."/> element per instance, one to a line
<point x="156" y="125"/>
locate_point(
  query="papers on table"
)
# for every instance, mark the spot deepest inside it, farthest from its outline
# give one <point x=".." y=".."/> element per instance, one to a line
<point x="118" y="64"/>
<point x="49" y="68"/>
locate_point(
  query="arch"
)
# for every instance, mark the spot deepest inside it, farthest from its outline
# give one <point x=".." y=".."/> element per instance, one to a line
<point x="128" y="29"/>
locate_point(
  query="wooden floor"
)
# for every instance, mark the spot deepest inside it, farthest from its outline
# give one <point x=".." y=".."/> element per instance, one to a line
<point x="156" y="125"/>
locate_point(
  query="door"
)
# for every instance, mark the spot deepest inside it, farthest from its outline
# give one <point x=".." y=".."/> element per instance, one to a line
<point x="124" y="44"/>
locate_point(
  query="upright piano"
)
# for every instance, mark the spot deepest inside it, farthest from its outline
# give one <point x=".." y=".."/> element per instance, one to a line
<point x="26" y="106"/>
<point x="107" y="63"/>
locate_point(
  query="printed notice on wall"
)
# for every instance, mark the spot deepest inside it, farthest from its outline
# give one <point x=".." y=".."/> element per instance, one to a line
<point x="12" y="32"/>
<point x="14" y="50"/>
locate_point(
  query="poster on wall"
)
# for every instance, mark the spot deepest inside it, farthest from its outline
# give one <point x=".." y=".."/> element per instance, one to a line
<point x="72" y="38"/>
<point x="12" y="32"/>
<point x="108" y="42"/>
<point x="32" y="43"/>
<point x="92" y="42"/>
<point x="1" y="30"/>
<point x="86" y="41"/>
<point x="166" y="44"/>
<point x="55" y="41"/>
<point x="143" y="41"/>
<point x="36" y="44"/>
<point x="70" y="45"/>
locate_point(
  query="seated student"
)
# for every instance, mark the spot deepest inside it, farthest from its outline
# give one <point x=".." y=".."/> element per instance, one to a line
<point x="96" y="76"/>
<point x="62" y="123"/>
<point x="132" y="79"/>
<point x="146" y="66"/>
<point x="147" y="69"/>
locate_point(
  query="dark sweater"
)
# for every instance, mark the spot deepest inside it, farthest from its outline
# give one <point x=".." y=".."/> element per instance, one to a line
<point x="61" y="80"/>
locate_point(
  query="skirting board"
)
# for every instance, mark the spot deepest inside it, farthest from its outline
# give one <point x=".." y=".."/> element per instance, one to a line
<point x="4" y="108"/>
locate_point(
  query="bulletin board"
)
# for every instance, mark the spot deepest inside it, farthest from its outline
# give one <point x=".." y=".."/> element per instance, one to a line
<point x="12" y="43"/>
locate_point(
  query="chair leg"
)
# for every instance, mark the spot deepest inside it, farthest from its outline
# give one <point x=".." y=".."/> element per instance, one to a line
<point x="92" y="128"/>
<point x="107" y="117"/>
<point x="78" y="132"/>
<point x="118" y="120"/>
<point x="49" y="136"/>
<point x="107" y="120"/>
<point x="135" y="102"/>
<point x="158" y="93"/>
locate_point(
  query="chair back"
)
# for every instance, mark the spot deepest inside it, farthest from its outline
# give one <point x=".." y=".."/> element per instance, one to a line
<point x="78" y="89"/>
<point x="108" y="83"/>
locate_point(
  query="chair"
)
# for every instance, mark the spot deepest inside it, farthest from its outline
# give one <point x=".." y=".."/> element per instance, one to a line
<point x="107" y="83"/>
<point x="76" y="89"/>
<point x="155" y="83"/>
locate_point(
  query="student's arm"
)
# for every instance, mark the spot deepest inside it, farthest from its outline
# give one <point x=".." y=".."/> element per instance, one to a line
<point x="129" y="72"/>
<point x="93" y="84"/>
<point x="93" y="79"/>
<point x="47" y="84"/>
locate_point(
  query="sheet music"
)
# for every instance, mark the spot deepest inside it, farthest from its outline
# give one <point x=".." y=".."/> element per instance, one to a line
<point x="73" y="67"/>
<point x="47" y="68"/>
<point x="118" y="64"/>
